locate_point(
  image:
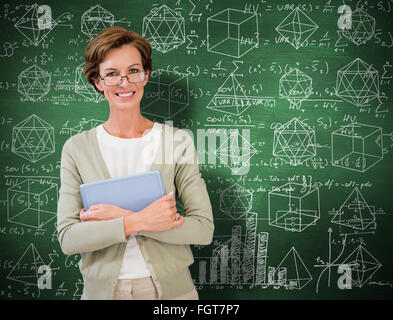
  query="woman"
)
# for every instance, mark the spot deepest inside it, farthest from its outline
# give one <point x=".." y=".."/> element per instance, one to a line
<point x="125" y="254"/>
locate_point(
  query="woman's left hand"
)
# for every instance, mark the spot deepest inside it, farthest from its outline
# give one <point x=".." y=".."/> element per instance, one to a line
<point x="102" y="211"/>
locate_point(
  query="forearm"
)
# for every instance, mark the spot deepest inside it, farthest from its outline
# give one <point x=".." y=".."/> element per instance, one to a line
<point x="195" y="230"/>
<point x="91" y="236"/>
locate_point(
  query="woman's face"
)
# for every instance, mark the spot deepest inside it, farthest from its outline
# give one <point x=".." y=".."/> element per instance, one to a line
<point x="122" y="61"/>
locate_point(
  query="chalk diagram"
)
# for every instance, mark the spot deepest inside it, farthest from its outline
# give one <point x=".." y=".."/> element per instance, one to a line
<point x="362" y="263"/>
<point x="294" y="142"/>
<point x="242" y="260"/>
<point x="362" y="28"/>
<point x="297" y="28"/>
<point x="236" y="201"/>
<point x="164" y="28"/>
<point x="232" y="32"/>
<point x="358" y="83"/>
<point x="234" y="156"/>
<point x="37" y="23"/>
<point x="85" y="89"/>
<point x="85" y="125"/>
<point x="79" y="290"/>
<point x="233" y="261"/>
<point x="294" y="207"/>
<point x="32" y="203"/>
<point x="166" y="94"/>
<point x="33" y="139"/>
<point x="96" y="19"/>
<point x="291" y="273"/>
<point x="231" y="96"/>
<point x="357" y="147"/>
<point x="295" y="86"/>
<point x="26" y="269"/>
<point x="34" y="83"/>
<point x="355" y="215"/>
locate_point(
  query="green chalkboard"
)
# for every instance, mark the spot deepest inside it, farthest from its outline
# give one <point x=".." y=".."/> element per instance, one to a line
<point x="290" y="107"/>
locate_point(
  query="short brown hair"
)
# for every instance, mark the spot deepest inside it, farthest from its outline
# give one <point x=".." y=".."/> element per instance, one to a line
<point x="113" y="37"/>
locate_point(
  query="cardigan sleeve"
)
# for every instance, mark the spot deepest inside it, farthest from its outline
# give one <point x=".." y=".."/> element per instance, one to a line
<point x="75" y="236"/>
<point x="198" y="223"/>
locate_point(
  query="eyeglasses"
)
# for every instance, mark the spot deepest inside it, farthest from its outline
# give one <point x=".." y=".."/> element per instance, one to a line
<point x="132" y="77"/>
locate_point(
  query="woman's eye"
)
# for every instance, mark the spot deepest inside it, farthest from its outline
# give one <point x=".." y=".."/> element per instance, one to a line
<point x="111" y="74"/>
<point x="134" y="70"/>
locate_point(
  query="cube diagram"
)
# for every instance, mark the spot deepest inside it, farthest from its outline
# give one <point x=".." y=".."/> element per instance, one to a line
<point x="357" y="147"/>
<point x="294" y="207"/>
<point x="166" y="94"/>
<point x="32" y="203"/>
<point x="232" y="32"/>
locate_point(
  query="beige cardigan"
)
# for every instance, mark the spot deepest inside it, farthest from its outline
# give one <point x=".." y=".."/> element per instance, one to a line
<point x="102" y="243"/>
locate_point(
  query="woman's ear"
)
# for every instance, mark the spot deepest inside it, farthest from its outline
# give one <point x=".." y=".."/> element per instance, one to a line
<point x="99" y="84"/>
<point x="146" y="78"/>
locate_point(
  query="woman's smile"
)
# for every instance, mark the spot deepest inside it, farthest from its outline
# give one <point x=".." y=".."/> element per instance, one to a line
<point x="125" y="95"/>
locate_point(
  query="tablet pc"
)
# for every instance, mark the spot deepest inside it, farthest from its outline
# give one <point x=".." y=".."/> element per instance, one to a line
<point x="133" y="192"/>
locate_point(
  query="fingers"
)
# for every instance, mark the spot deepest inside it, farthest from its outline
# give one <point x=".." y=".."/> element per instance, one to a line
<point x="167" y="196"/>
<point x="84" y="215"/>
<point x="178" y="221"/>
<point x="87" y="215"/>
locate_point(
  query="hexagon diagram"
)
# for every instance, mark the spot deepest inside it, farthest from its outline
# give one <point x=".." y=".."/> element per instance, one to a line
<point x="295" y="86"/>
<point x="34" y="83"/>
<point x="363" y="27"/>
<point x="236" y="201"/>
<point x="95" y="20"/>
<point x="33" y="139"/>
<point x="357" y="83"/>
<point x="297" y="28"/>
<point x="164" y="28"/>
<point x="294" y="142"/>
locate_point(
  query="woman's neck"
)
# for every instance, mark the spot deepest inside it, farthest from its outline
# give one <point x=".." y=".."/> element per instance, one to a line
<point x="127" y="125"/>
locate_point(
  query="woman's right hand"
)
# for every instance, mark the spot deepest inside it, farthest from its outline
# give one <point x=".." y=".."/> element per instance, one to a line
<point x="160" y="215"/>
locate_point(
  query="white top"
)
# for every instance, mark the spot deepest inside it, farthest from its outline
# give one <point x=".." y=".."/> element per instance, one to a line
<point x="125" y="157"/>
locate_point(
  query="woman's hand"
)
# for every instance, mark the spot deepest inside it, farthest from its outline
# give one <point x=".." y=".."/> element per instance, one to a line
<point x="103" y="211"/>
<point x="160" y="215"/>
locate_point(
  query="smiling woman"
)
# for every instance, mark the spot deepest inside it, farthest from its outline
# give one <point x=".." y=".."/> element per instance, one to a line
<point x="125" y="254"/>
